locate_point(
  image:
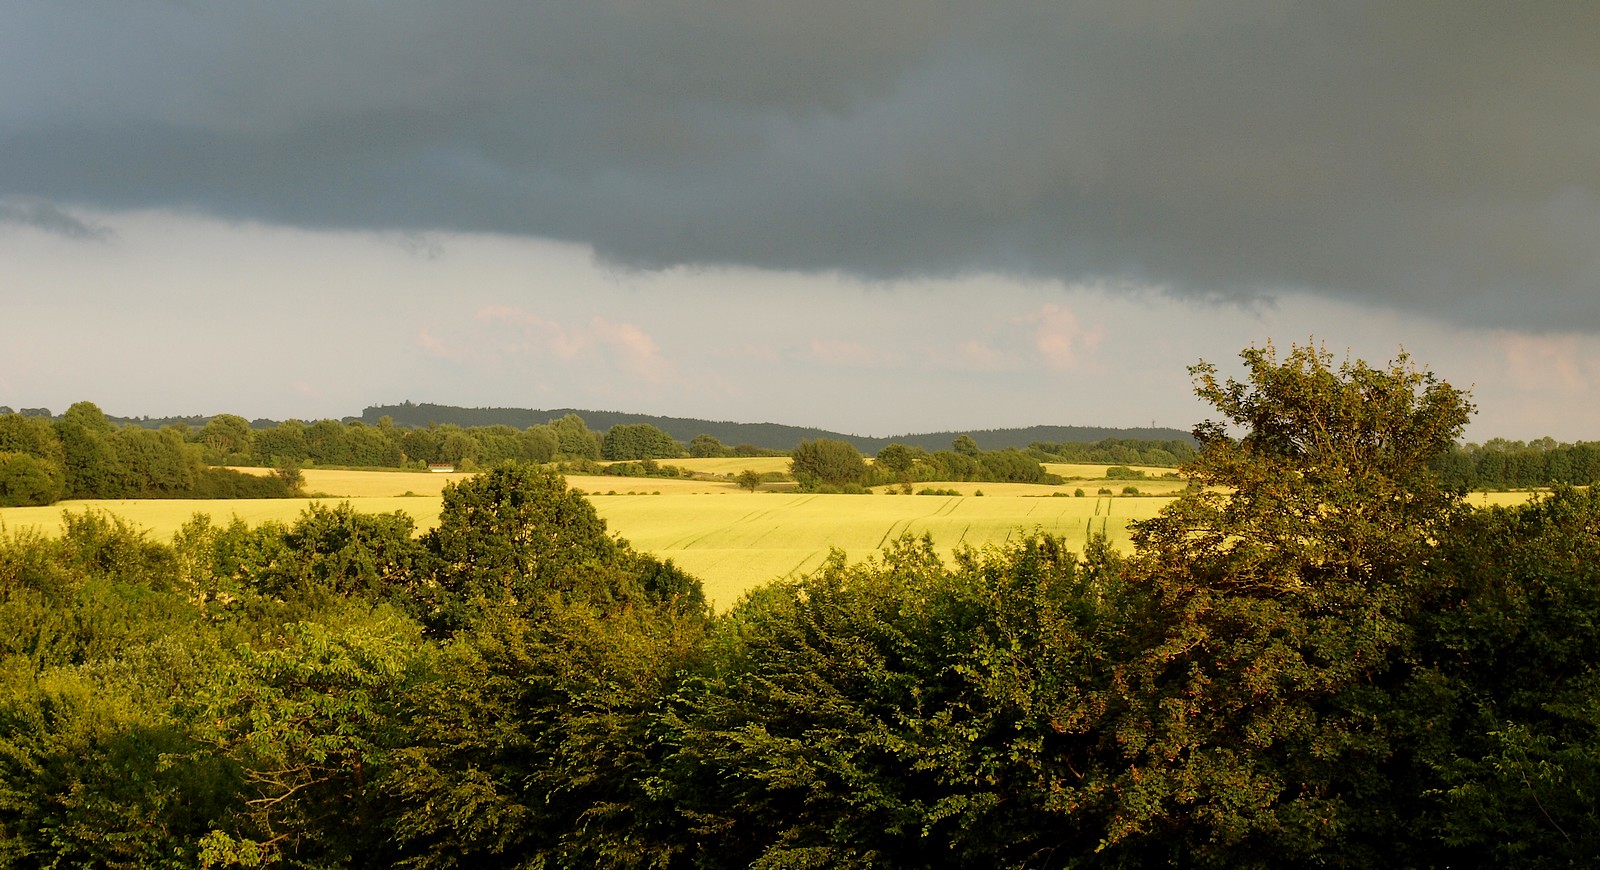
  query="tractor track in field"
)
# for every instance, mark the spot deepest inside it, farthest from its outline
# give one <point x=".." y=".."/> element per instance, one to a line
<point x="690" y="541"/>
<point x="749" y="519"/>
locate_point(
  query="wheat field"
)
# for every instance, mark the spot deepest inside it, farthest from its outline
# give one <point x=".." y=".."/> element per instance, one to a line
<point x="731" y="539"/>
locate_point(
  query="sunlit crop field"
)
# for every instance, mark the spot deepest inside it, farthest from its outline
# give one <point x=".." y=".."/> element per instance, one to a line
<point x="732" y="464"/>
<point x="735" y="541"/>
<point x="731" y="539"/>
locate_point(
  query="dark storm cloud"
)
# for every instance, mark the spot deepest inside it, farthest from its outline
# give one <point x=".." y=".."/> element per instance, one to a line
<point x="1440" y="156"/>
<point x="50" y="218"/>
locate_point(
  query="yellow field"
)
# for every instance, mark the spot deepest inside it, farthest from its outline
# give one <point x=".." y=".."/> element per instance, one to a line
<point x="162" y="516"/>
<point x="377" y="484"/>
<point x="601" y="483"/>
<point x="731" y="539"/>
<point x="733" y="542"/>
<point x="732" y="464"/>
<point x="1094" y="471"/>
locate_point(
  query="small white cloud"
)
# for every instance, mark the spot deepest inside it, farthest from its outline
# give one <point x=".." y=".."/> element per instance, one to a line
<point x="624" y="345"/>
<point x="1545" y="362"/>
<point x="634" y="350"/>
<point x="1059" y="339"/>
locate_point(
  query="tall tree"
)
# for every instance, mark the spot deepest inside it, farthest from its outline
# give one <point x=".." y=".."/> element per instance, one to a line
<point x="1278" y="599"/>
<point x="227" y="439"/>
<point x="573" y="438"/>
<point x="93" y="468"/>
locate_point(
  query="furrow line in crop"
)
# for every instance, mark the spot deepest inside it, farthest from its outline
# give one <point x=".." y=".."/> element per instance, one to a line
<point x="890" y="533"/>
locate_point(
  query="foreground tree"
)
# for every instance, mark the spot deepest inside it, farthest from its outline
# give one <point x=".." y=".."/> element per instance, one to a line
<point x="1278" y="603"/>
<point x="899" y="712"/>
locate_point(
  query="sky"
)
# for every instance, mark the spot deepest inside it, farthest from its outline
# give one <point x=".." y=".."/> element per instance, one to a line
<point x="872" y="216"/>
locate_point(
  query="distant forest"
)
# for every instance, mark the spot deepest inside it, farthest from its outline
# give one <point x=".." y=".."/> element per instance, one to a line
<point x="768" y="436"/>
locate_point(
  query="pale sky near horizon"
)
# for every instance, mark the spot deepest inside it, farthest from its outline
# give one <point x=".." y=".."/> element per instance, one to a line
<point x="876" y="217"/>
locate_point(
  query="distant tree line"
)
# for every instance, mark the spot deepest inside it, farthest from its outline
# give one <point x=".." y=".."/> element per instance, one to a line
<point x="766" y="436"/>
<point x="82" y="455"/>
<point x="1320" y="658"/>
<point x="1499" y="464"/>
<point x="829" y="465"/>
<point x="228" y="439"/>
<point x="1167" y="453"/>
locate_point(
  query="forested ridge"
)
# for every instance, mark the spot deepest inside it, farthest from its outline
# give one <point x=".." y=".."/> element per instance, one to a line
<point x="84" y="455"/>
<point x="765" y="436"/>
<point x="1320" y="655"/>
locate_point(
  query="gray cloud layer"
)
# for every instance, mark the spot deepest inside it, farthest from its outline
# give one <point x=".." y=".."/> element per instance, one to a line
<point x="1441" y="156"/>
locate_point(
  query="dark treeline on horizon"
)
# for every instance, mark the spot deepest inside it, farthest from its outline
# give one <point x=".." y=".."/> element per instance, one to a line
<point x="764" y="436"/>
<point x="85" y="454"/>
<point x="768" y="436"/>
<point x="1322" y="656"/>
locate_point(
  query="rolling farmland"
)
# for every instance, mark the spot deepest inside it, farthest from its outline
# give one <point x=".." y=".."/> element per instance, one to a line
<point x="731" y="539"/>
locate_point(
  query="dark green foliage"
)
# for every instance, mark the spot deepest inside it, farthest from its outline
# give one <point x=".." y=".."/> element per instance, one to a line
<point x="639" y="441"/>
<point x="826" y="462"/>
<point x="1013" y="466"/>
<point x="94" y="772"/>
<point x="30" y="480"/>
<point x="951" y="465"/>
<point x="155" y="463"/>
<point x="573" y="438"/>
<point x="642" y="468"/>
<point x="1509" y="653"/>
<point x="533" y="744"/>
<point x="93" y="468"/>
<point x="1499" y="464"/>
<point x="1120" y="451"/>
<point x="517" y="533"/>
<point x="227" y="439"/>
<point x="708" y="447"/>
<point x="1274" y="610"/>
<point x="885" y="714"/>
<point x="341" y="551"/>
<point x="30" y="436"/>
<point x="771" y="439"/>
<point x="308" y="720"/>
<point x="898" y="459"/>
<point x="283" y="443"/>
<point x="229" y="483"/>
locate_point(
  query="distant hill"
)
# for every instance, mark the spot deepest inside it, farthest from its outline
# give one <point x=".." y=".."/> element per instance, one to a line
<point x="770" y="436"/>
